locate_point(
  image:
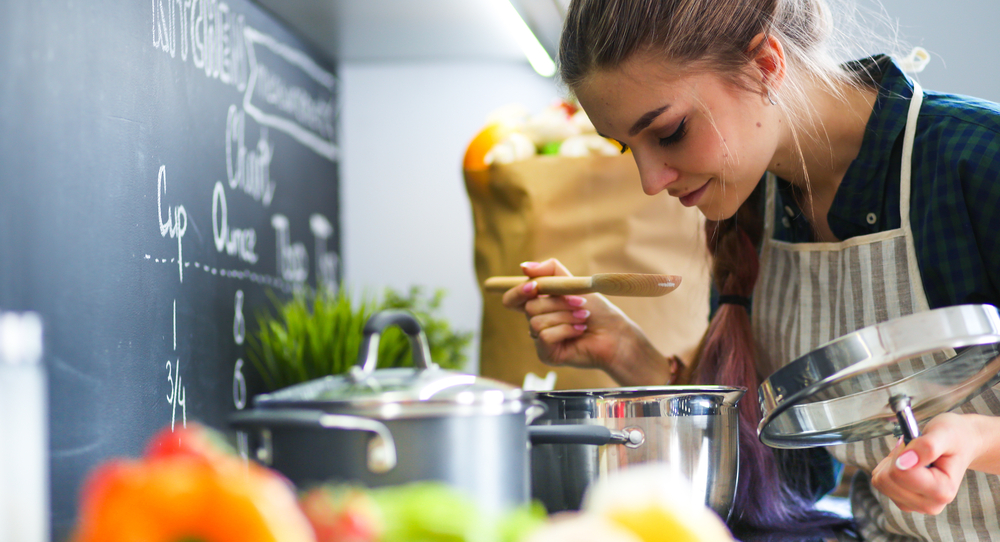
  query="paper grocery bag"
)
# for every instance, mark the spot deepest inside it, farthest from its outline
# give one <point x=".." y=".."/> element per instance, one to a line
<point x="591" y="214"/>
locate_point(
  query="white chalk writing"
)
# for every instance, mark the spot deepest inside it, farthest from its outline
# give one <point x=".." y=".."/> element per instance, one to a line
<point x="326" y="261"/>
<point x="309" y="120"/>
<point x="249" y="170"/>
<point x="178" y="392"/>
<point x="207" y="29"/>
<point x="293" y="260"/>
<point x="176" y="223"/>
<point x="234" y="241"/>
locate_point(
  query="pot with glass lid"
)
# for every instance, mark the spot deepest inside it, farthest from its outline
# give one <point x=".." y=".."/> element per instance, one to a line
<point x="382" y="427"/>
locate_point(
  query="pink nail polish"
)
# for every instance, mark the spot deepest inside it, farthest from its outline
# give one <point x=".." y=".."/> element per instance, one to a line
<point x="907" y="460"/>
<point x="530" y="265"/>
<point x="581" y="314"/>
<point x="580" y="327"/>
<point x="575" y="300"/>
<point x="528" y="287"/>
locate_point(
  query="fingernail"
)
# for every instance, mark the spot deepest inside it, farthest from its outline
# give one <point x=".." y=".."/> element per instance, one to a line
<point x="907" y="460"/>
<point x="528" y="287"/>
<point x="581" y="314"/>
<point x="580" y="327"/>
<point x="575" y="300"/>
<point x="530" y="265"/>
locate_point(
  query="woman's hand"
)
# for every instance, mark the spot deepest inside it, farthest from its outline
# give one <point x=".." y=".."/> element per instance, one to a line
<point x="586" y="331"/>
<point x="951" y="444"/>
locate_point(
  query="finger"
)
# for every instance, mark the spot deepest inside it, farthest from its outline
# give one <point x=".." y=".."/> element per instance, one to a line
<point x="555" y="335"/>
<point x="546" y="268"/>
<point x="933" y="487"/>
<point x="548" y="320"/>
<point x="516" y="297"/>
<point x="544" y="304"/>
<point x="926" y="449"/>
<point x="892" y="483"/>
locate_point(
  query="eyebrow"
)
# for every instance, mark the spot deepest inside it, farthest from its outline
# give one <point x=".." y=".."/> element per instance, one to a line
<point x="646" y="120"/>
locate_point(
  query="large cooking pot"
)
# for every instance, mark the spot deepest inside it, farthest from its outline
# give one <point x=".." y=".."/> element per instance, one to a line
<point x="392" y="426"/>
<point x="693" y="429"/>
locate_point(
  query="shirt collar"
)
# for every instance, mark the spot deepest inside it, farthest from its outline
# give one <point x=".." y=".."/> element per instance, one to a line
<point x="864" y="185"/>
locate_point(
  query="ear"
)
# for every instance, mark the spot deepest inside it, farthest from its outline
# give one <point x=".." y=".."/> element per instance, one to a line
<point x="768" y="59"/>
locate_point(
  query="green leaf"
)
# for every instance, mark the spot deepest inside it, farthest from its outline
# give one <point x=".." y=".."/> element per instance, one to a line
<point x="311" y="335"/>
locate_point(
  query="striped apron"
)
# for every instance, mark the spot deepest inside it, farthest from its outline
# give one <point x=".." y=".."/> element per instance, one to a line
<point x="810" y="293"/>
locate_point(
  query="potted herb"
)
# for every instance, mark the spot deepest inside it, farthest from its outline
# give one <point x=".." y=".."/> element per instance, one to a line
<point x="317" y="334"/>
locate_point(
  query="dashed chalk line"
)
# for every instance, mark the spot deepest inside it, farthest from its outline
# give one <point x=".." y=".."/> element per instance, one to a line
<point x="238" y="274"/>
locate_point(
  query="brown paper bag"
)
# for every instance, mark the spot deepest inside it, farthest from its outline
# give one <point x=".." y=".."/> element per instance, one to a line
<point x="591" y="214"/>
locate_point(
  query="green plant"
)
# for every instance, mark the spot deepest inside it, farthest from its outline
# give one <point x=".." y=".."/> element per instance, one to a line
<point x="319" y="334"/>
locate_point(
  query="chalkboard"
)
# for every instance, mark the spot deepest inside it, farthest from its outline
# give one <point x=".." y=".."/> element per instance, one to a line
<point x="163" y="165"/>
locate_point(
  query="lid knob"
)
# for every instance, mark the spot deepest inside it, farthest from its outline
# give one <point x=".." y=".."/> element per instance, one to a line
<point x="378" y="323"/>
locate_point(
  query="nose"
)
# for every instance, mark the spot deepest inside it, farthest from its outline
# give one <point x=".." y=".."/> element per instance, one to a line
<point x="656" y="176"/>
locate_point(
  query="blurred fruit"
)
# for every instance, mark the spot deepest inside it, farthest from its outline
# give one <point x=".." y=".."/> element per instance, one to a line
<point x="588" y="145"/>
<point x="194" y="440"/>
<point x="513" y="148"/>
<point x="578" y="527"/>
<point x="342" y="514"/>
<point x="475" y="153"/>
<point x="425" y="511"/>
<point x="551" y="124"/>
<point x="568" y="107"/>
<point x="657" y="505"/>
<point x="187" y="490"/>
<point x="582" y="121"/>
<point x="551" y="148"/>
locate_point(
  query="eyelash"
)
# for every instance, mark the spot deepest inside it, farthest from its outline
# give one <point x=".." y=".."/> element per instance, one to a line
<point x="675" y="137"/>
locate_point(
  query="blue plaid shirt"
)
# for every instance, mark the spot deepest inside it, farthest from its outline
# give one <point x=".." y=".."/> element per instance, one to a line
<point x="955" y="188"/>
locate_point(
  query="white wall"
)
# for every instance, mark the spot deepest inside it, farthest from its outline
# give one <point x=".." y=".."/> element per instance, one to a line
<point x="961" y="36"/>
<point x="405" y="214"/>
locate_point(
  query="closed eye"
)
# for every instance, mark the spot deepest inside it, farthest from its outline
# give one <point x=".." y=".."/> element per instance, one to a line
<point x="675" y="137"/>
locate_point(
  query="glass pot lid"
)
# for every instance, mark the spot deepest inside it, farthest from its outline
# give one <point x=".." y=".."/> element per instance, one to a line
<point x="424" y="390"/>
<point x="882" y="379"/>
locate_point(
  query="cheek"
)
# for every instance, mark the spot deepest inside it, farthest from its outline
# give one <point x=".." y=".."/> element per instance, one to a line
<point x="708" y="151"/>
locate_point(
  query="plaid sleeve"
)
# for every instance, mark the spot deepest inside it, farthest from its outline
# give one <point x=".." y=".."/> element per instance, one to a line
<point x="959" y="222"/>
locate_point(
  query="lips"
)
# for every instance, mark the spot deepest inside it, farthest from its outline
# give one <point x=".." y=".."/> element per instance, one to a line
<point x="691" y="198"/>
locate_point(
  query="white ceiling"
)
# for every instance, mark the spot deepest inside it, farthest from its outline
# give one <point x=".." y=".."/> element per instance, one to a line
<point x="408" y="30"/>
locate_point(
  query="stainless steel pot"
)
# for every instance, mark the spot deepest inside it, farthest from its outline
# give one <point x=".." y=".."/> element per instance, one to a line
<point x="393" y="426"/>
<point x="691" y="428"/>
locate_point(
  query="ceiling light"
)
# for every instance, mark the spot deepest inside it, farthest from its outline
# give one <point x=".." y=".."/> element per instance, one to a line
<point x="537" y="57"/>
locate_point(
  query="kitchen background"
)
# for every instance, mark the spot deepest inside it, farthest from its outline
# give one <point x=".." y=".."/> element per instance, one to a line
<point x="418" y="79"/>
<point x="93" y="108"/>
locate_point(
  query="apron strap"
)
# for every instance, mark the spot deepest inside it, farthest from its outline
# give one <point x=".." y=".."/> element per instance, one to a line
<point x="906" y="164"/>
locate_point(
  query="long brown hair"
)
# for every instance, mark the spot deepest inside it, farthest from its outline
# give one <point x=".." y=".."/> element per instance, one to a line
<point x="716" y="36"/>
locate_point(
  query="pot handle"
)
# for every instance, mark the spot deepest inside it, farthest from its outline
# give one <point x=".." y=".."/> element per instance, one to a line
<point x="376" y="324"/>
<point x="381" y="448"/>
<point x="598" y="435"/>
<point x="536" y="409"/>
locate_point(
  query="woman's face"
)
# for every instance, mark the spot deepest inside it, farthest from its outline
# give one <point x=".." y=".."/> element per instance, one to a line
<point x="699" y="138"/>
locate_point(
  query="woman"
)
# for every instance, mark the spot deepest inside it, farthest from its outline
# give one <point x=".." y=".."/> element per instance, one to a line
<point x="878" y="202"/>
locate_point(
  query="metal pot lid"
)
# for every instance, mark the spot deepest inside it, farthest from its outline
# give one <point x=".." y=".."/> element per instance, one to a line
<point x="425" y="390"/>
<point x="401" y="392"/>
<point x="882" y="379"/>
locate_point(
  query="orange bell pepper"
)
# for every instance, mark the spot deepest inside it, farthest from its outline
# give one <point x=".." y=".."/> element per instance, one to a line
<point x="188" y="490"/>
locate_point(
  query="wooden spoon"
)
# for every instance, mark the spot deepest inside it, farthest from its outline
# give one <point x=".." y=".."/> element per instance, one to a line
<point x="623" y="284"/>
